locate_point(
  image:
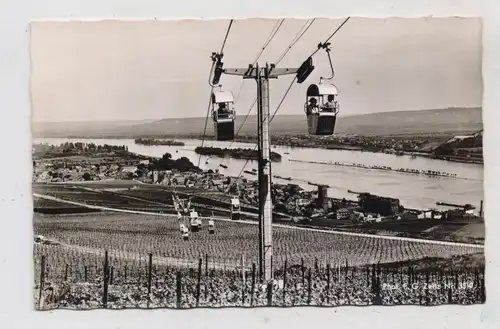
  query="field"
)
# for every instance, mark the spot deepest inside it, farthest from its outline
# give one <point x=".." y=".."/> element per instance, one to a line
<point x="458" y="230"/>
<point x="128" y="235"/>
<point x="208" y="270"/>
<point x="102" y="197"/>
<point x="141" y="197"/>
<point x="105" y="184"/>
<point x="471" y="231"/>
<point x="45" y="206"/>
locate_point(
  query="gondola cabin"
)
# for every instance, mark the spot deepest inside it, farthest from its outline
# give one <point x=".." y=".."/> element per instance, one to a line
<point x="176" y="203"/>
<point x="235" y="208"/>
<point x="195" y="221"/>
<point x="321" y="109"/>
<point x="211" y="226"/>
<point x="185" y="235"/>
<point x="223" y="115"/>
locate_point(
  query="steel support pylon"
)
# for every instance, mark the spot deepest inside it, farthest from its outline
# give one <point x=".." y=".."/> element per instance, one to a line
<point x="265" y="204"/>
<point x="262" y="76"/>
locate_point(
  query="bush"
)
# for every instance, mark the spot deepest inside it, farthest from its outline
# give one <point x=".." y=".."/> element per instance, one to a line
<point x="166" y="163"/>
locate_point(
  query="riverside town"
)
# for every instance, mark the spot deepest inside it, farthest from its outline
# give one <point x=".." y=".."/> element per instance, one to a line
<point x="336" y="162"/>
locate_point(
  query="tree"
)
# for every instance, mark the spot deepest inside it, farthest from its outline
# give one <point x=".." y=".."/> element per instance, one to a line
<point x="86" y="176"/>
<point x="181" y="164"/>
<point x="444" y="149"/>
<point x="233" y="189"/>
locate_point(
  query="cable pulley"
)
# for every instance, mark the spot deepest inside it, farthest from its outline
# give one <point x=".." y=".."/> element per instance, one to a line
<point x="324" y="45"/>
<point x="217" y="68"/>
<point x="305" y="70"/>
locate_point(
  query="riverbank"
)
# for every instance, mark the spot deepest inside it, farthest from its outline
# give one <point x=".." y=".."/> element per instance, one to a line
<point x="458" y="159"/>
<point x="156" y="142"/>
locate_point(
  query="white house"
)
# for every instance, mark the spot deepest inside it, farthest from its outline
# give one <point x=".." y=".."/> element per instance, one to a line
<point x="427" y="214"/>
<point x="131" y="169"/>
<point x="373" y="218"/>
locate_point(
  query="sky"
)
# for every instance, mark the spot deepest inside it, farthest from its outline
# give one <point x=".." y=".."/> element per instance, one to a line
<point x="153" y="69"/>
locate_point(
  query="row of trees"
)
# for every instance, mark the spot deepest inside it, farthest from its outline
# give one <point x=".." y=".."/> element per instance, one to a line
<point x="89" y="147"/>
<point x="166" y="162"/>
<point x="152" y="141"/>
<point x="78" y="148"/>
<point x="237" y="153"/>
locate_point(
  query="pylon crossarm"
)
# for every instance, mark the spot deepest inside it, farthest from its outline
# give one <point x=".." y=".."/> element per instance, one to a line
<point x="251" y="72"/>
<point x="276" y="72"/>
<point x="244" y="72"/>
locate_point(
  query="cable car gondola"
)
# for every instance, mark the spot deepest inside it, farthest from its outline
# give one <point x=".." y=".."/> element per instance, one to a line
<point x="195" y="221"/>
<point x="321" y="109"/>
<point x="321" y="105"/>
<point x="176" y="203"/>
<point x="211" y="226"/>
<point x="223" y="115"/>
<point x="185" y="234"/>
<point x="235" y="208"/>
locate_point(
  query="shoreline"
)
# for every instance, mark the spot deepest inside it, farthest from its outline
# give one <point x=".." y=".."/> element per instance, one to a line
<point x="157" y="142"/>
<point x="384" y="168"/>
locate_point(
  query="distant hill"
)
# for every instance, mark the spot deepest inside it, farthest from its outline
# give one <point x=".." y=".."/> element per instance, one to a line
<point x="442" y="121"/>
<point x="89" y="128"/>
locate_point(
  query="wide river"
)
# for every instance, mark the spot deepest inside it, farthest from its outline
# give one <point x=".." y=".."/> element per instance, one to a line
<point x="414" y="191"/>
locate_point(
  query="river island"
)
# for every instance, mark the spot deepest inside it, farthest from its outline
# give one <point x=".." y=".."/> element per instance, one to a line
<point x="237" y="153"/>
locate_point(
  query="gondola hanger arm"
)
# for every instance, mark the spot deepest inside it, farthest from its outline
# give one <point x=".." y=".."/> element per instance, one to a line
<point x="326" y="47"/>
